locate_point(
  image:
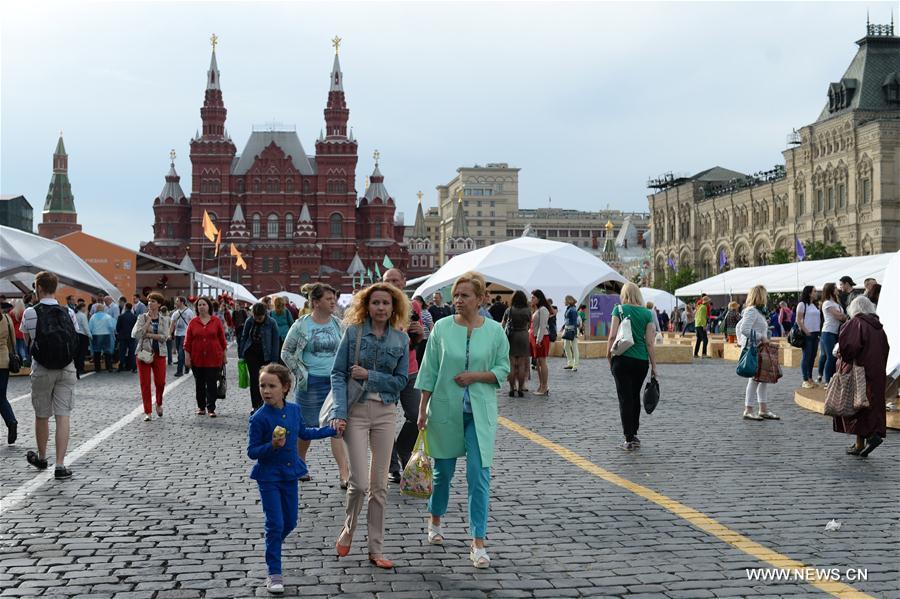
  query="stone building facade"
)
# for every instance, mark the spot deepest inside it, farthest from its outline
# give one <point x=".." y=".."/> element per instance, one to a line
<point x="840" y="181"/>
<point x="480" y="207"/>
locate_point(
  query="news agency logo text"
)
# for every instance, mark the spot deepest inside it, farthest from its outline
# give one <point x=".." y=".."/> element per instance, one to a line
<point x="807" y="574"/>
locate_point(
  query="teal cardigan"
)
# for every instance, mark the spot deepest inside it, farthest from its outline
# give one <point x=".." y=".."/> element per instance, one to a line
<point x="445" y="357"/>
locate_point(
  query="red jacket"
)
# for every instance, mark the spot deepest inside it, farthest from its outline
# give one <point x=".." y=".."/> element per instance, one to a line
<point x="205" y="343"/>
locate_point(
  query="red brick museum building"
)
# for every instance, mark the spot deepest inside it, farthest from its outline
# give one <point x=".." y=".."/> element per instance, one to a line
<point x="295" y="218"/>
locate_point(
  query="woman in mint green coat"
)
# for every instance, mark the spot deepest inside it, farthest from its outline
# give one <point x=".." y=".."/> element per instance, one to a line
<point x="466" y="359"/>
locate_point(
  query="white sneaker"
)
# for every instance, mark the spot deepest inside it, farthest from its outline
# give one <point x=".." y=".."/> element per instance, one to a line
<point x="275" y="584"/>
<point x="809" y="385"/>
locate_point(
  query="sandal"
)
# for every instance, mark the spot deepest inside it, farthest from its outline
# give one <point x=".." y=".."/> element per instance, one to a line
<point x="769" y="416"/>
<point x="854" y="449"/>
<point x="212" y="414"/>
<point x="201" y="412"/>
<point x="480" y="558"/>
<point x="435" y="536"/>
<point x="381" y="562"/>
<point x="751" y="416"/>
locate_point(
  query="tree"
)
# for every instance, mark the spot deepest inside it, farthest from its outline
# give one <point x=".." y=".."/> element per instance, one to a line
<point x="675" y="280"/>
<point x="780" y="256"/>
<point x="819" y="250"/>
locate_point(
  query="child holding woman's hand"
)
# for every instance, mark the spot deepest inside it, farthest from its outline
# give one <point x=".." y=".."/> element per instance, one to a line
<point x="272" y="442"/>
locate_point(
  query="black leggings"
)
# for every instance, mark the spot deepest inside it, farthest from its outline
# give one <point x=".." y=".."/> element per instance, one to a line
<point x="629" y="374"/>
<point x="701" y="338"/>
<point x="205" y="381"/>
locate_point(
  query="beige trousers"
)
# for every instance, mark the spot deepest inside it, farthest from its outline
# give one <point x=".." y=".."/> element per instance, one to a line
<point x="370" y="424"/>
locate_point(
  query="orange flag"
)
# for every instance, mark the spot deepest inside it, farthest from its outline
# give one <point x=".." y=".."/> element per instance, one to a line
<point x="239" y="259"/>
<point x="209" y="229"/>
<point x="218" y="241"/>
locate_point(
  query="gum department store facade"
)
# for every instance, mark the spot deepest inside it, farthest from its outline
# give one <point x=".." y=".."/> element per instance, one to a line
<point x="840" y="181"/>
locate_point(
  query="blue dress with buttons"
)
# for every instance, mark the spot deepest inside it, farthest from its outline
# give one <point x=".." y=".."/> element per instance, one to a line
<point x="277" y="471"/>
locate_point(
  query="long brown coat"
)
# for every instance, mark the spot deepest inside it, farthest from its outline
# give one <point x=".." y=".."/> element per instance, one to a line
<point x="862" y="341"/>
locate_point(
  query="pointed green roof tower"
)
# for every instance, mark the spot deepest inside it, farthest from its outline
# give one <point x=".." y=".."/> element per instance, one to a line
<point x="60" y="216"/>
<point x="59" y="197"/>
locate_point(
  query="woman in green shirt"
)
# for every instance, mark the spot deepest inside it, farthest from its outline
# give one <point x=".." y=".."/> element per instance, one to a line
<point x="466" y="359"/>
<point x="630" y="368"/>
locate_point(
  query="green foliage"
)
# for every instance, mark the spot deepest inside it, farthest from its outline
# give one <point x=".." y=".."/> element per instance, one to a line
<point x="819" y="250"/>
<point x="780" y="256"/>
<point x="674" y="280"/>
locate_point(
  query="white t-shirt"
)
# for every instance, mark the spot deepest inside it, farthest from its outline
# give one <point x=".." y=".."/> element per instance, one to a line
<point x="832" y="324"/>
<point x="812" y="318"/>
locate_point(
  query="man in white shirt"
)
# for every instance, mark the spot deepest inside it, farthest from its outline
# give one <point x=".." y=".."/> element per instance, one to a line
<point x="52" y="383"/>
<point x="180" y="319"/>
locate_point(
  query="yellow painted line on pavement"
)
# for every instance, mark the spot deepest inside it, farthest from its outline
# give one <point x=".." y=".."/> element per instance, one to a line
<point x="698" y="519"/>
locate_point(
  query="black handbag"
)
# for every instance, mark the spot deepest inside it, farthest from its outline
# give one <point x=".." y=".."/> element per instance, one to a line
<point x="221" y="385"/>
<point x="796" y="337"/>
<point x="651" y="395"/>
<point x="15" y="364"/>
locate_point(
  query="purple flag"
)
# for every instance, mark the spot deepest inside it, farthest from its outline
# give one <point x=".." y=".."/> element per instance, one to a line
<point x="798" y="247"/>
<point x="722" y="259"/>
<point x="671" y="264"/>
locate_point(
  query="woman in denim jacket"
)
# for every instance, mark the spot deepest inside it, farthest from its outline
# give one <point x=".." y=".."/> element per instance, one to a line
<point x="373" y="320"/>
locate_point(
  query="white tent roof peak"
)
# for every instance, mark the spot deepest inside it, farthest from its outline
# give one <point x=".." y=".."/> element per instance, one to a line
<point x="525" y="263"/>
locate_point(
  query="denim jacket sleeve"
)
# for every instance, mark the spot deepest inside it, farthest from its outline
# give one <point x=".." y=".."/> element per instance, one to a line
<point x="339" y="373"/>
<point x="274" y="341"/>
<point x="259" y="440"/>
<point x="392" y="382"/>
<point x="292" y="350"/>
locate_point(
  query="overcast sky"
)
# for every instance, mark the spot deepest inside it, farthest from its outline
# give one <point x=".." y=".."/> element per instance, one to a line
<point x="588" y="99"/>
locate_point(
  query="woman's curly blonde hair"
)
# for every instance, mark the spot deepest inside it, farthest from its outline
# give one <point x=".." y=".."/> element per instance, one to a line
<point x="358" y="311"/>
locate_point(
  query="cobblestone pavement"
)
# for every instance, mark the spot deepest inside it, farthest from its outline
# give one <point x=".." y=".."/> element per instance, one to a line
<point x="165" y="509"/>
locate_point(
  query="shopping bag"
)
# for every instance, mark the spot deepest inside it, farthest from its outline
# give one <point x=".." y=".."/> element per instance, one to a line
<point x="221" y="385"/>
<point x="417" y="476"/>
<point x="748" y="363"/>
<point x="243" y="375"/>
<point x="326" y="409"/>
<point x="651" y="395"/>
<point x="769" y="369"/>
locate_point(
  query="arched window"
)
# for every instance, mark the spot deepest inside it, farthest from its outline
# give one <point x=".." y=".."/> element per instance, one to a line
<point x="306" y="187"/>
<point x="256" y="186"/>
<point x="378" y="230"/>
<point x="289" y="186"/>
<point x="288" y="224"/>
<point x="272" y="186"/>
<point x="337" y="225"/>
<point x="240" y="186"/>
<point x="272" y="226"/>
<point x="276" y="264"/>
<point x="256" y="225"/>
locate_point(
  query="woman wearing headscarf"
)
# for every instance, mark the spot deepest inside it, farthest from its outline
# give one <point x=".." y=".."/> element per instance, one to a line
<point x="466" y="360"/>
<point x="863" y="342"/>
<point x="283" y="319"/>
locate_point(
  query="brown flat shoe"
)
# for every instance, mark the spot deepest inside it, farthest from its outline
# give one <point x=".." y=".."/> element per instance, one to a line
<point x="381" y="562"/>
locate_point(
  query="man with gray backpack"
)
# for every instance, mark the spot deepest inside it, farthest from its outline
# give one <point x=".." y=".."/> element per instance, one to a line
<point x="50" y="335"/>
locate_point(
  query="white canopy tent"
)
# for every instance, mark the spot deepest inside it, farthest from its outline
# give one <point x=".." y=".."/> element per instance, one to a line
<point x="344" y="300"/>
<point x="888" y="302"/>
<point x="22" y="255"/>
<point x="206" y="283"/>
<point x="662" y="300"/>
<point x="294" y="298"/>
<point x="792" y="277"/>
<point x="527" y="263"/>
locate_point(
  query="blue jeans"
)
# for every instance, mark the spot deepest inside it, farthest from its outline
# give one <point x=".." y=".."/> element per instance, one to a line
<point x="311" y="400"/>
<point x="279" y="503"/>
<point x="827" y="343"/>
<point x="179" y="347"/>
<point x="477" y="478"/>
<point x="810" y="344"/>
<point x="22" y="351"/>
<point x="6" y="411"/>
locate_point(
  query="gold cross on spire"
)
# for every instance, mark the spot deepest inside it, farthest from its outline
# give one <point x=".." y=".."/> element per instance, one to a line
<point x="376" y="155"/>
<point x="214" y="40"/>
<point x="419" y="195"/>
<point x="336" y="42"/>
<point x="172" y="155"/>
